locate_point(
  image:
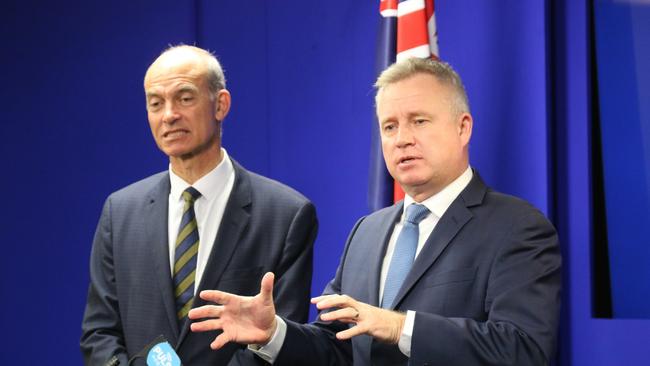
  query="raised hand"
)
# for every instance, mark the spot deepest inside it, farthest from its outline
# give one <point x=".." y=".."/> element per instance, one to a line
<point x="243" y="319"/>
<point x="381" y="324"/>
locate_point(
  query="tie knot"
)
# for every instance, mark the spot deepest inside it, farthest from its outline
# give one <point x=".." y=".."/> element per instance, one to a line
<point x="191" y="194"/>
<point x="416" y="213"/>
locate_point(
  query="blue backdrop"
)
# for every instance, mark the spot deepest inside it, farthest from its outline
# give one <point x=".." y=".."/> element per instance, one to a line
<point x="74" y="129"/>
<point x="622" y="28"/>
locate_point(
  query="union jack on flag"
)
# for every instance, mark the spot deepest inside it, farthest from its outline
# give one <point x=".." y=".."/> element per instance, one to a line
<point x="408" y="29"/>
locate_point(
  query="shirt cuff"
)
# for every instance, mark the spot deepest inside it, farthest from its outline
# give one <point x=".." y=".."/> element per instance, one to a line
<point x="404" y="342"/>
<point x="269" y="352"/>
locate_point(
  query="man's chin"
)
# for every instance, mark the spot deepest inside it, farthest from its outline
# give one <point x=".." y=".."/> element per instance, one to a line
<point x="412" y="187"/>
<point x="180" y="154"/>
<point x="411" y="180"/>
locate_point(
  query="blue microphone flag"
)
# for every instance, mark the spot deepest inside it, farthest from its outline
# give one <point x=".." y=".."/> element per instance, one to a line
<point x="162" y="354"/>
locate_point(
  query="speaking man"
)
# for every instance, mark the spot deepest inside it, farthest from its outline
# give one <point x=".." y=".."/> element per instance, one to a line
<point x="455" y="274"/>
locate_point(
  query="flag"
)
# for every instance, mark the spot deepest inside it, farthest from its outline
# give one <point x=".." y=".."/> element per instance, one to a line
<point x="407" y="29"/>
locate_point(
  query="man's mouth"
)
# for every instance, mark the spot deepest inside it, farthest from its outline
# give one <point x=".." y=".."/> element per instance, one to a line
<point x="174" y="133"/>
<point x="407" y="160"/>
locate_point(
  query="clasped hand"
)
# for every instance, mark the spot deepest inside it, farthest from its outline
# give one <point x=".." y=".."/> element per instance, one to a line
<point x="251" y="320"/>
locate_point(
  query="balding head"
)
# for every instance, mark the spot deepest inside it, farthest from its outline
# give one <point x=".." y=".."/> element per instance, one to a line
<point x="202" y="62"/>
<point x="186" y="104"/>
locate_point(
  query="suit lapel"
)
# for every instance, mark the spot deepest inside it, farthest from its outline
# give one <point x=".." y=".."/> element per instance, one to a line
<point x="235" y="219"/>
<point x="456" y="216"/>
<point x="157" y="231"/>
<point x="378" y="252"/>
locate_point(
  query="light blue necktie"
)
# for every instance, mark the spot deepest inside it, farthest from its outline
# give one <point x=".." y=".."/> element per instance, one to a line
<point x="404" y="254"/>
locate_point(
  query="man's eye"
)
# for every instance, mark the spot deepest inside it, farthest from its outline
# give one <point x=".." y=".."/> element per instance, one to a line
<point x="187" y="100"/>
<point x="420" y="121"/>
<point x="389" y="128"/>
<point x="154" y="105"/>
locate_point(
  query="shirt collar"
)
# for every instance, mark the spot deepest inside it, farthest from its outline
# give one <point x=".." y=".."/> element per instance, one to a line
<point x="440" y="202"/>
<point x="209" y="185"/>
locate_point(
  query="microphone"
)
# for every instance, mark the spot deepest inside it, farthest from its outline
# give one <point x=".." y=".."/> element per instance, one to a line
<point x="158" y="353"/>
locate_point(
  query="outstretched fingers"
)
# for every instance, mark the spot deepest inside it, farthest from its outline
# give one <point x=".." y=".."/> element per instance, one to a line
<point x="333" y="301"/>
<point x="215" y="296"/>
<point x="205" y="311"/>
<point x="243" y="319"/>
<point x="266" y="288"/>
<point x="345" y="315"/>
<point x="350" y="332"/>
<point x="206" y="325"/>
<point x="347" y="311"/>
<point x="221" y="340"/>
<point x="381" y="324"/>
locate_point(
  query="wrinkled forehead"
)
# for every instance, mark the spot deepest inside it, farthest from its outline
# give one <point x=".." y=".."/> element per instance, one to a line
<point x="175" y="64"/>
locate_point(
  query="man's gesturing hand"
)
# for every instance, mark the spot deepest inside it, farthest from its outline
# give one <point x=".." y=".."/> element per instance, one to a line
<point x="243" y="319"/>
<point x="381" y="324"/>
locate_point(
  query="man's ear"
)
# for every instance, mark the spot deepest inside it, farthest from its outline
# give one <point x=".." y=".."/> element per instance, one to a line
<point x="465" y="124"/>
<point x="222" y="104"/>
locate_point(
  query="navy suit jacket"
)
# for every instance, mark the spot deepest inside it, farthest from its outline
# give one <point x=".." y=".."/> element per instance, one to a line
<point x="485" y="288"/>
<point x="266" y="226"/>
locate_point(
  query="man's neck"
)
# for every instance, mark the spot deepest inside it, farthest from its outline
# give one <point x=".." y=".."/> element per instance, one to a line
<point x="193" y="168"/>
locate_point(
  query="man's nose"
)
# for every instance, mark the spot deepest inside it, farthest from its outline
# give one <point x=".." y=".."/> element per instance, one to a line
<point x="170" y="115"/>
<point x="405" y="136"/>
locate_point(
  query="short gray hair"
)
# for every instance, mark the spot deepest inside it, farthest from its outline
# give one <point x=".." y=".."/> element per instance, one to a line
<point x="442" y="71"/>
<point x="214" y="73"/>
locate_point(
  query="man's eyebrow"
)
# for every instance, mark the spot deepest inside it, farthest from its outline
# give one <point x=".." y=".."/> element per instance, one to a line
<point x="418" y="114"/>
<point x="186" y="88"/>
<point x="151" y="94"/>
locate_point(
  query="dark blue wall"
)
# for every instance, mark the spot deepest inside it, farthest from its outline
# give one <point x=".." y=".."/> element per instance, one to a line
<point x="623" y="29"/>
<point x="74" y="129"/>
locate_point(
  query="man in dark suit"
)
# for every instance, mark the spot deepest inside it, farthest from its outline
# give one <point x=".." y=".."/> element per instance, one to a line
<point x="205" y="223"/>
<point x="456" y="274"/>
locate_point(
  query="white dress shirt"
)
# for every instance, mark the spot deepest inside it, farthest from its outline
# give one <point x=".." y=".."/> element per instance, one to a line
<point x="215" y="188"/>
<point x="437" y="205"/>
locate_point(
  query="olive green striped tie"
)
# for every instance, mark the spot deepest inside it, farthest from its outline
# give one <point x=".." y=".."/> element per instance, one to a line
<point x="187" y="247"/>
